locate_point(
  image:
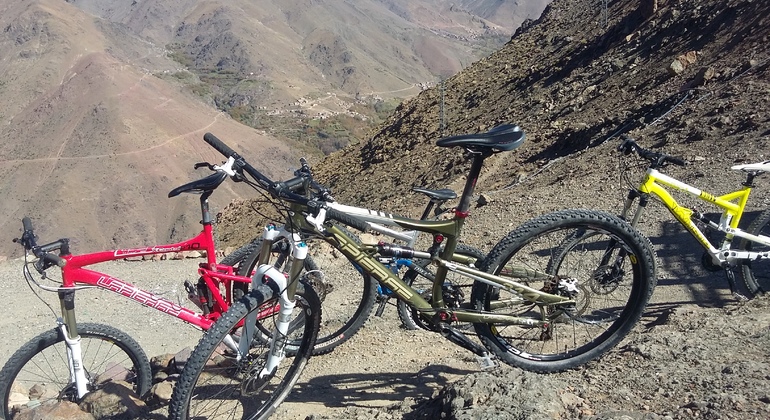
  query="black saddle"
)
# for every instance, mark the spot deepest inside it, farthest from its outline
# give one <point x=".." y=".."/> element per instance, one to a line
<point x="203" y="185"/>
<point x="443" y="194"/>
<point x="501" y="138"/>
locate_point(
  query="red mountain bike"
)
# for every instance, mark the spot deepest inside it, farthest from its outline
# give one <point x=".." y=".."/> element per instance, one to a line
<point x="72" y="359"/>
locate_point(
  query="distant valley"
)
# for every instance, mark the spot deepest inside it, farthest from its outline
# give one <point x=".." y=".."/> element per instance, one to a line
<point x="104" y="103"/>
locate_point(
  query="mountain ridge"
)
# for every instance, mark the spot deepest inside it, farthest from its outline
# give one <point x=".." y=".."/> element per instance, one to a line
<point x="63" y="145"/>
<point x="101" y="121"/>
<point x="573" y="88"/>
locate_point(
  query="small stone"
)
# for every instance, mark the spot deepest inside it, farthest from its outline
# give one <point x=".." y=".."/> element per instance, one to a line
<point x="60" y="410"/>
<point x="162" y="391"/>
<point x="676" y="67"/>
<point x="113" y="399"/>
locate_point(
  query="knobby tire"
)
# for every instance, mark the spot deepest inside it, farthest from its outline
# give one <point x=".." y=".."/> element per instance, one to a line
<point x="610" y="298"/>
<point x="347" y="299"/>
<point x="214" y="385"/>
<point x="108" y="355"/>
<point x="756" y="274"/>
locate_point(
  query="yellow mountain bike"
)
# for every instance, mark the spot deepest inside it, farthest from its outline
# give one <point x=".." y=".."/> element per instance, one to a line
<point x="753" y="251"/>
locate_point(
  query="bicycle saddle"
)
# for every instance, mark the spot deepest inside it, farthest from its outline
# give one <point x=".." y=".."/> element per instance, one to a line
<point x="442" y="194"/>
<point x="753" y="167"/>
<point x="207" y="184"/>
<point x="501" y="138"/>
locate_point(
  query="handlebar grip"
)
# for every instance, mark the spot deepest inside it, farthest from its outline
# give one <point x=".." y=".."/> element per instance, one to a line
<point x="347" y="220"/>
<point x="219" y="146"/>
<point x="677" y="161"/>
<point x="27" y="223"/>
<point x="27" y="239"/>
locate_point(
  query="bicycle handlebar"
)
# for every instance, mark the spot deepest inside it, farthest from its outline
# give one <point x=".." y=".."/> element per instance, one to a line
<point x="276" y="189"/>
<point x="304" y="177"/>
<point x="220" y="147"/>
<point x="289" y="190"/>
<point x="656" y="159"/>
<point x="42" y="252"/>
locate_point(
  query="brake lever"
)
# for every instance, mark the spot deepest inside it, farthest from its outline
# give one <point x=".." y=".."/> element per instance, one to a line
<point x="627" y="146"/>
<point x="204" y="165"/>
<point x="41" y="265"/>
<point x="239" y="176"/>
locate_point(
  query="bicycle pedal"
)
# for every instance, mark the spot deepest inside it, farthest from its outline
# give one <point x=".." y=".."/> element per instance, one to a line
<point x="486" y="362"/>
<point x="740" y="297"/>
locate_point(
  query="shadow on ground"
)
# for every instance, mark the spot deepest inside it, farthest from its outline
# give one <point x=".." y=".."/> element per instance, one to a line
<point x="680" y="264"/>
<point x="376" y="389"/>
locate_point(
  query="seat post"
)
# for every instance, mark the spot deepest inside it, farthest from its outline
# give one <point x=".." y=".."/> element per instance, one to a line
<point x="750" y="179"/>
<point x="426" y="213"/>
<point x="205" y="213"/>
<point x="470" y="184"/>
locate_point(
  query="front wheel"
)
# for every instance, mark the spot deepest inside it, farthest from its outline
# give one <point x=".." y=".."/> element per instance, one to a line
<point x="607" y="271"/>
<point x="214" y="384"/>
<point x="756" y="274"/>
<point x="39" y="370"/>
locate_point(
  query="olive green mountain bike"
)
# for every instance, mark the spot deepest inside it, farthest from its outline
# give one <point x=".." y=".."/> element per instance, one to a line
<point x="526" y="310"/>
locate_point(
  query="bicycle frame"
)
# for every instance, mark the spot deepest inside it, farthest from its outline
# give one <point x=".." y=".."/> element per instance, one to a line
<point x="364" y="256"/>
<point x="75" y="273"/>
<point x="75" y="276"/>
<point x="379" y="221"/>
<point x="733" y="205"/>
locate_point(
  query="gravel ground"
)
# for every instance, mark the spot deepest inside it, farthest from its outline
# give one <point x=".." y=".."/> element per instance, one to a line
<point x="696" y="353"/>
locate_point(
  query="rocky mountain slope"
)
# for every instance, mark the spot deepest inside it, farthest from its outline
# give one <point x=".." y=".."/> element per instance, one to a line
<point x="684" y="77"/>
<point x="690" y="76"/>
<point x="92" y="141"/>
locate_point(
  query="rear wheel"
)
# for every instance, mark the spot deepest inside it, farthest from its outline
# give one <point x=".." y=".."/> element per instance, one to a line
<point x="214" y="384"/>
<point x="756" y="274"/>
<point x="608" y="273"/>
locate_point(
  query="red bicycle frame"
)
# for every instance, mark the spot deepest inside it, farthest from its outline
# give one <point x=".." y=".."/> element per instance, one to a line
<point x="215" y="276"/>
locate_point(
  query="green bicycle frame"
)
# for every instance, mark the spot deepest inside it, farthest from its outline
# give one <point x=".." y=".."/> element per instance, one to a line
<point x="449" y="230"/>
<point x="363" y="256"/>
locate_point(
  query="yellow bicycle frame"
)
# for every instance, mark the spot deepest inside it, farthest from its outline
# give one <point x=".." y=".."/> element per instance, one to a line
<point x="732" y="203"/>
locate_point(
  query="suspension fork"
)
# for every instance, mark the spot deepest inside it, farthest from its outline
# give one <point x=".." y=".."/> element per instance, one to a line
<point x="633" y="195"/>
<point x="286" y="288"/>
<point x="69" y="330"/>
<point x="644" y="198"/>
<point x="616" y="261"/>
